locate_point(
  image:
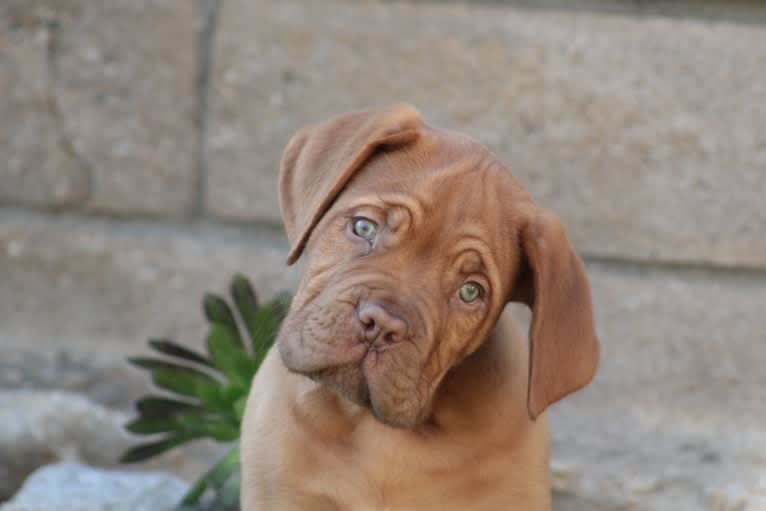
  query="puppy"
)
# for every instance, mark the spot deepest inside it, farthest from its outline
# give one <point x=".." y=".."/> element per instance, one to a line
<point x="398" y="382"/>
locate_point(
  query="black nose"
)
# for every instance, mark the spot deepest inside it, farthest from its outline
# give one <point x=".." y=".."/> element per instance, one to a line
<point x="379" y="323"/>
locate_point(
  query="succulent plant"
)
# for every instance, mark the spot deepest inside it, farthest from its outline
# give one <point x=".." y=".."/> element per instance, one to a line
<point x="205" y="393"/>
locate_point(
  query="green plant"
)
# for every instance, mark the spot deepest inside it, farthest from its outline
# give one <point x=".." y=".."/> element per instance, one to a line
<point x="206" y="393"/>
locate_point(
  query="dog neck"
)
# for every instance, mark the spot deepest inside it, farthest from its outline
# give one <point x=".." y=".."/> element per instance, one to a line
<point x="498" y="371"/>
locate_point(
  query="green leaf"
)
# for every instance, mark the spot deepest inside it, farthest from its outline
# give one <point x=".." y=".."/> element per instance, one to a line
<point x="193" y="495"/>
<point x="207" y="391"/>
<point x="211" y="388"/>
<point x="239" y="407"/>
<point x="150" y="450"/>
<point x="232" y="392"/>
<point x="218" y="475"/>
<point x="228" y="494"/>
<point x="150" y="426"/>
<point x="168" y="347"/>
<point x="154" y="406"/>
<point x="183" y="380"/>
<point x="246" y="301"/>
<point x="153" y="364"/>
<point x="264" y="326"/>
<point x="219" y="428"/>
<point x="233" y="361"/>
<point x="222" y="432"/>
<point x="218" y="312"/>
<point x="215" y="477"/>
<point x="244" y="296"/>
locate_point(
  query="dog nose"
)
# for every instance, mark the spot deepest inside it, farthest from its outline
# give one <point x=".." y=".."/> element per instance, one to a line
<point x="379" y="323"/>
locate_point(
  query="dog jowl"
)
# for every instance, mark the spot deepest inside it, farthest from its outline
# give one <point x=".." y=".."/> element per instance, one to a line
<point x="415" y="239"/>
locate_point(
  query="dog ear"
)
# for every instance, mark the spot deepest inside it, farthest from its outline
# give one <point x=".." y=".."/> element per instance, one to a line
<point x="564" y="349"/>
<point x="320" y="160"/>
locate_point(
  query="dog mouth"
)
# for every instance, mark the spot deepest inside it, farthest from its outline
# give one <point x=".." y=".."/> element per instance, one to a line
<point x="348" y="380"/>
<point x="369" y="383"/>
<point x="374" y="373"/>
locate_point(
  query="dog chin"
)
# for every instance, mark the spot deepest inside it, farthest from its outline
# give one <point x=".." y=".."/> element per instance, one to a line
<point x="346" y="374"/>
<point x="397" y="419"/>
<point x="360" y="394"/>
<point x="349" y="383"/>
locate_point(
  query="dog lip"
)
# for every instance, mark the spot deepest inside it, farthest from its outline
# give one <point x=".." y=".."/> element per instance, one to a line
<point x="351" y="355"/>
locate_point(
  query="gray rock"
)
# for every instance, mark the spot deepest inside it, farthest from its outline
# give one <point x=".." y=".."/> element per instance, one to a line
<point x="37" y="428"/>
<point x="646" y="135"/>
<point x="76" y="487"/>
<point x="100" y="104"/>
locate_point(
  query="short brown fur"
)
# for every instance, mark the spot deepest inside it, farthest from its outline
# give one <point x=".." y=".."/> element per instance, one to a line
<point x="445" y="411"/>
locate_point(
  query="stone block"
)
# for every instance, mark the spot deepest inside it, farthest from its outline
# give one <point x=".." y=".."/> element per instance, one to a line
<point x="37" y="167"/>
<point x="101" y="103"/>
<point x="674" y="418"/>
<point x="646" y="135"/>
<point x="106" y="286"/>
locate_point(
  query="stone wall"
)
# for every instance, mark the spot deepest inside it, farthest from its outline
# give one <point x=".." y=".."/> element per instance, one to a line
<point x="140" y="141"/>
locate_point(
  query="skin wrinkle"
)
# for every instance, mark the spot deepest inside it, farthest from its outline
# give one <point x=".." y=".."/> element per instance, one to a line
<point x="327" y="322"/>
<point x="433" y="363"/>
<point x="455" y="386"/>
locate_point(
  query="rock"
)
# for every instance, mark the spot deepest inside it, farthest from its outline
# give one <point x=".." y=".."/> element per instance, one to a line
<point x="630" y="128"/>
<point x="93" y="121"/>
<point x="76" y="487"/>
<point x="37" y="428"/>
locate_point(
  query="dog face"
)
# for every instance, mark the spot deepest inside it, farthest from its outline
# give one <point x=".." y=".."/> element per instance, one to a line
<point x="415" y="241"/>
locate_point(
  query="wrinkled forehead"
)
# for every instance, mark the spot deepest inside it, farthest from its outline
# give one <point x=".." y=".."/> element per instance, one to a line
<point x="447" y="177"/>
<point x="453" y="197"/>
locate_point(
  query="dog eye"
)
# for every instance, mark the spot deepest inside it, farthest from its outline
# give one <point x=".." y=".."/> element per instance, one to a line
<point x="365" y="228"/>
<point x="470" y="292"/>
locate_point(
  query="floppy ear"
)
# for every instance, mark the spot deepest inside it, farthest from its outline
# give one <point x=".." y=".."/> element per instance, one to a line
<point x="564" y="349"/>
<point x="320" y="160"/>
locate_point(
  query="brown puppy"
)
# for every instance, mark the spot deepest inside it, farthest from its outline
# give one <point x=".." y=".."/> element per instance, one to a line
<point x="399" y="383"/>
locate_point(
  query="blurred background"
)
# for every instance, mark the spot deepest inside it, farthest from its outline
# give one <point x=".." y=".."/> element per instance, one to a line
<point x="139" y="148"/>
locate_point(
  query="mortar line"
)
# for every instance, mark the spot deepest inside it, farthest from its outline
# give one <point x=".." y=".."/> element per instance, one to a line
<point x="209" y="10"/>
<point x="686" y="267"/>
<point x="63" y="138"/>
<point x="29" y="215"/>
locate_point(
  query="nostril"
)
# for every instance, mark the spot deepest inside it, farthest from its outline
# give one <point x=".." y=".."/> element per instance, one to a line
<point x="378" y="324"/>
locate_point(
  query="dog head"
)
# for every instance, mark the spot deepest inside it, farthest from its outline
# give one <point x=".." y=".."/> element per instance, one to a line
<point x="416" y="239"/>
